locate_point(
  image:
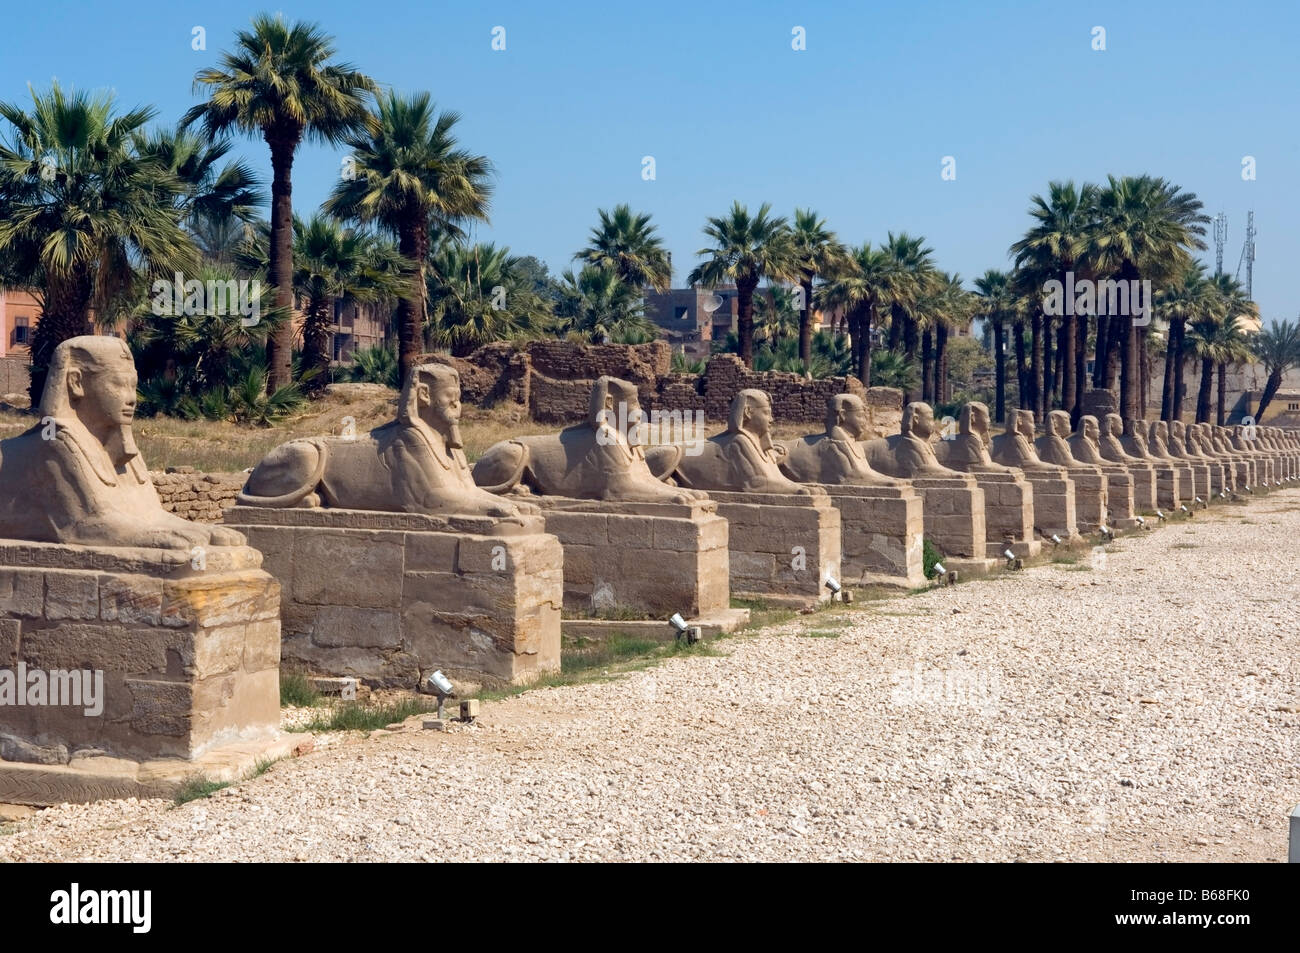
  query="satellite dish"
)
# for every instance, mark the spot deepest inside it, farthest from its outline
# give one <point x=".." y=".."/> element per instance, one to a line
<point x="712" y="303"/>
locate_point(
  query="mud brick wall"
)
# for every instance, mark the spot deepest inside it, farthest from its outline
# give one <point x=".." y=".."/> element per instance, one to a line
<point x="14" y="376"/>
<point x="553" y="379"/>
<point x="201" y="497"/>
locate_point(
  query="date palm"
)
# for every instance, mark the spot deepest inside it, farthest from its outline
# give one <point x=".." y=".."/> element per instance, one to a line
<point x="479" y="294"/>
<point x="914" y="262"/>
<point x="1277" y="347"/>
<point x="996" y="303"/>
<point x="280" y="82"/>
<point x="746" y="249"/>
<point x="818" y="253"/>
<point x="413" y="179"/>
<point x="1142" y="227"/>
<point x="867" y="281"/>
<point x="597" y="305"/>
<point x="1189" y="298"/>
<point x="86" y="219"/>
<point x="628" y="245"/>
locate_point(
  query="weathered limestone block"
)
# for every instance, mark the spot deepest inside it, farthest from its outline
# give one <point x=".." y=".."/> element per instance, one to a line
<point x="1111" y="448"/>
<point x="166" y="667"/>
<point x="390" y="597"/>
<point x="1176" y="440"/>
<point x="1085" y="447"/>
<point x="1008" y="495"/>
<point x="1193" y="477"/>
<point x="1054" y="500"/>
<point x="782" y="547"/>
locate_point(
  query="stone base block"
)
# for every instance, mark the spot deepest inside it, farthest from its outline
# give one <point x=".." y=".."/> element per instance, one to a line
<point x="782" y="546"/>
<point x="1054" y="507"/>
<point x="102" y="778"/>
<point x="1121" y="504"/>
<point x="132" y="654"/>
<point x="1144" y="487"/>
<point x="711" y="625"/>
<point x="1008" y="513"/>
<point x="954" y="515"/>
<point x="653" y="559"/>
<point x="390" y="597"/>
<point x="881" y="532"/>
<point x="1171" y="486"/>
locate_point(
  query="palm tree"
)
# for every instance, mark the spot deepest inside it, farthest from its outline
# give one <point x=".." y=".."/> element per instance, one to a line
<point x="1049" y="250"/>
<point x="868" y="280"/>
<point x="628" y="245"/>
<point x="85" y="219"/>
<point x="777" y="319"/>
<point x="1277" y="347"/>
<point x="915" y="264"/>
<point x="600" y="306"/>
<point x="1185" y="300"/>
<point x="997" y="306"/>
<point x="279" y="82"/>
<point x="479" y="294"/>
<point x="818" y="253"/>
<point x="412" y="177"/>
<point x="1142" y="228"/>
<point x="1234" y="348"/>
<point x="1215" y="338"/>
<point x="212" y="194"/>
<point x="746" y="249"/>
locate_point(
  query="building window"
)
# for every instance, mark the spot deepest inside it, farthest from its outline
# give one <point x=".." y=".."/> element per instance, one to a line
<point x="681" y="313"/>
<point x="22" y="330"/>
<point x="1293" y="406"/>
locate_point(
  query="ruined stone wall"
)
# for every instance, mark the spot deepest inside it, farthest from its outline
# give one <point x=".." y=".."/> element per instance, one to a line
<point x="553" y="380"/>
<point x="191" y="495"/>
<point x="14" y="376"/>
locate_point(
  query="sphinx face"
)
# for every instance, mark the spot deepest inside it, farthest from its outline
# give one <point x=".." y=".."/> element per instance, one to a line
<point x="1025" y="423"/>
<point x="1090" y="429"/>
<point x="104" y="396"/>
<point x="853" y="418"/>
<point x="758" y="418"/>
<point x="443" y="400"/>
<point x="1060" y="422"/>
<point x="979" y="420"/>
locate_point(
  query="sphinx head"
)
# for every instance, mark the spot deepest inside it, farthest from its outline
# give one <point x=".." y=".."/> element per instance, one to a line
<point x="613" y="400"/>
<point x="93" y="379"/>
<point x="1058" y="423"/>
<point x="1023" y="423"/>
<point x="751" y="411"/>
<point x="431" y="395"/>
<point x="848" y="413"/>
<point x="1177" y="429"/>
<point x="1112" y="425"/>
<point x="1089" y="429"/>
<point x="1161" y="430"/>
<point x="918" y="420"/>
<point x="974" y="420"/>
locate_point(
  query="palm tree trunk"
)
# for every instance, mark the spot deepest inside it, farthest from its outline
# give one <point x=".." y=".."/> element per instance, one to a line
<point x="1144" y="369"/>
<point x="1223" y="395"/>
<point x="315" y="338"/>
<point x="805" y="325"/>
<point x="1270" y="389"/>
<point x="1049" y="365"/>
<point x="1023" y="390"/>
<point x="413" y="243"/>
<point x="65" y="313"/>
<point x="745" y="318"/>
<point x="1069" y="358"/>
<point x="910" y="335"/>
<point x="279" y="345"/>
<point x="1036" y="365"/>
<point x="1203" y="393"/>
<point x="942" y="394"/>
<point x="927" y="367"/>
<point x="1080" y="368"/>
<point x="1099" y="356"/>
<point x="1171" y="357"/>
<point x="1000" y="372"/>
<point x="895" y="327"/>
<point x="1180" y="369"/>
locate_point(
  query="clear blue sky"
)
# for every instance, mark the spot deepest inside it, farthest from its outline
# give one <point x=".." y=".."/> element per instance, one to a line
<point x="855" y="126"/>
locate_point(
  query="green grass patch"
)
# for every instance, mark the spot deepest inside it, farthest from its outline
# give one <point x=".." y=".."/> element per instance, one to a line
<point x="821" y="634"/>
<point x="1076" y="567"/>
<point x="930" y="554"/>
<point x="582" y="655"/>
<point x="296" y="691"/>
<point x="1065" y="559"/>
<point x="763" y="614"/>
<point x="197" y="788"/>
<point x="354" y="717"/>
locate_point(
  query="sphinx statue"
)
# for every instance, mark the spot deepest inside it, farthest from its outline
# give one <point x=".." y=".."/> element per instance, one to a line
<point x="1124" y="488"/>
<point x="1196" y="471"/>
<point x="1016" y="447"/>
<point x="968" y="450"/>
<point x="1090" y="484"/>
<point x="834" y="456"/>
<point x="1055" y="510"/>
<point x="1111" y="448"/>
<point x="592" y="460"/>
<point x="77" y="476"/>
<point x="1008" y="495"/>
<point x="910" y="453"/>
<point x="413" y="464"/>
<point x="1197" y="444"/>
<point x="743" y="458"/>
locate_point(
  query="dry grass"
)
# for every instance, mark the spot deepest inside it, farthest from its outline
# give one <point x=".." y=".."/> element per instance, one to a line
<point x="222" y="447"/>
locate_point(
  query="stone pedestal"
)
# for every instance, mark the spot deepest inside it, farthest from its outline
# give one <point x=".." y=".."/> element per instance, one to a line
<point x="1173" y="485"/>
<point x="391" y="597"/>
<point x="1054" y="506"/>
<point x="124" y="672"/>
<point x="881" y="538"/>
<point x="1090" y="498"/>
<point x="954" y="520"/>
<point x="782" y="546"/>
<point x="1200" y="478"/>
<point x="1144" y="486"/>
<point x="1008" y="513"/>
<point x="624" y="561"/>
<point x="1121" y="496"/>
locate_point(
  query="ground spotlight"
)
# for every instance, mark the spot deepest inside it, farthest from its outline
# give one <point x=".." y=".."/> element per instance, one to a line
<point x="691" y="633"/>
<point x="440" y="686"/>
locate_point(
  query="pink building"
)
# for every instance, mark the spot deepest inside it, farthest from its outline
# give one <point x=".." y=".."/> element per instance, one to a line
<point x="19" y="314"/>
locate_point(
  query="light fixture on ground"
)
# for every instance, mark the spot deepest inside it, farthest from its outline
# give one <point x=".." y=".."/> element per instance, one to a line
<point x="442" y="687"/>
<point x="837" y="590"/>
<point x="1141" y="520"/>
<point x="1183" y="507"/>
<point x="1201" y="501"/>
<point x="1056" y="540"/>
<point x="1161" y="514"/>
<point x="1106" y="531"/>
<point x="1013" y="561"/>
<point x="691" y="633"/>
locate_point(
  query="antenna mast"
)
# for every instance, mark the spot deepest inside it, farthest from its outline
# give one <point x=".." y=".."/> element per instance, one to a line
<point x="1220" y="239"/>
<point x="1248" y="254"/>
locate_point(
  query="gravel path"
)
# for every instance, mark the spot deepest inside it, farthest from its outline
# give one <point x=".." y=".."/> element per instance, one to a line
<point x="1145" y="709"/>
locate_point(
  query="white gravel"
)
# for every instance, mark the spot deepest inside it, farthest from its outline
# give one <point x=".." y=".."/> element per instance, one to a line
<point x="1144" y="710"/>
